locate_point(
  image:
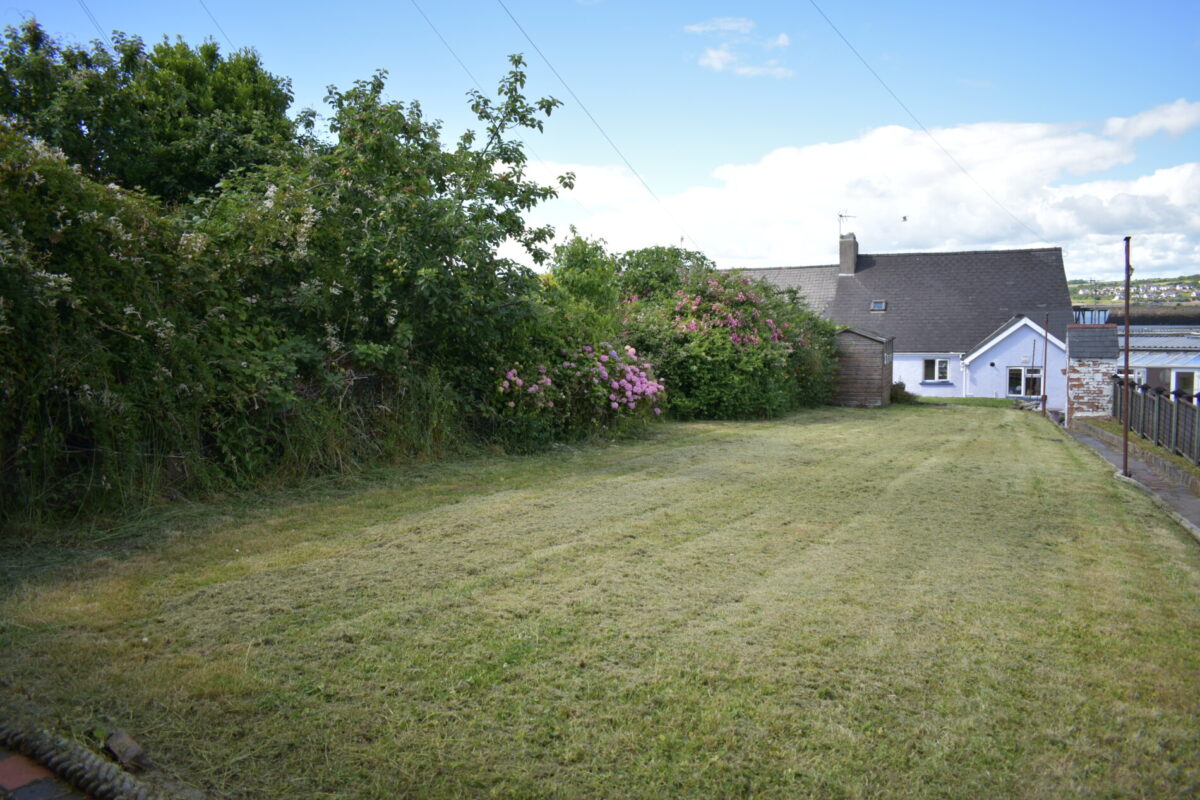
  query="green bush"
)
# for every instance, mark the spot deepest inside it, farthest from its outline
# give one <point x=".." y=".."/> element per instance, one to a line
<point x="728" y="347"/>
<point x="901" y="394"/>
<point x="602" y="390"/>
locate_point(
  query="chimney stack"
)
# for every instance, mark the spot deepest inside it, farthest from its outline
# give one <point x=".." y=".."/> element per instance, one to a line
<point x="847" y="254"/>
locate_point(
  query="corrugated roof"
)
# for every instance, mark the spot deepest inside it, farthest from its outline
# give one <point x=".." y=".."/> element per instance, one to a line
<point x="1159" y="342"/>
<point x="1160" y="359"/>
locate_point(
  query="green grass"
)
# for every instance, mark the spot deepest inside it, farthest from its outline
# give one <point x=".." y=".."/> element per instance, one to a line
<point x="989" y="402"/>
<point x="911" y="602"/>
<point x="1138" y="443"/>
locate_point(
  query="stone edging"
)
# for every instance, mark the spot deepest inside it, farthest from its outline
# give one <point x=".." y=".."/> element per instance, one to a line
<point x="1183" y="521"/>
<point x="1159" y="464"/>
<point x="1153" y="460"/>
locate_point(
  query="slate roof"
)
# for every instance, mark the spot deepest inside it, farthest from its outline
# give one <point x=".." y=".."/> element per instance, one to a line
<point x="938" y="302"/>
<point x="878" y="337"/>
<point x="1092" y="341"/>
<point x="817" y="284"/>
<point x="1004" y="329"/>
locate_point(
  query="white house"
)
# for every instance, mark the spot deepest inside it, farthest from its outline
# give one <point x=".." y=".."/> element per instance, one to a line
<point x="967" y="324"/>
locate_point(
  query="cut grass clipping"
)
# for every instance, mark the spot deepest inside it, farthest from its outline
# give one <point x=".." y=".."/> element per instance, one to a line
<point x="913" y="602"/>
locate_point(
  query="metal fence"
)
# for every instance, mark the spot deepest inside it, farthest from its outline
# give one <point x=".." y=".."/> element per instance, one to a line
<point x="1169" y="419"/>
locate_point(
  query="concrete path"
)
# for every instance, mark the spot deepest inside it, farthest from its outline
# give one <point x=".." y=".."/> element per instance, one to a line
<point x="1177" y="499"/>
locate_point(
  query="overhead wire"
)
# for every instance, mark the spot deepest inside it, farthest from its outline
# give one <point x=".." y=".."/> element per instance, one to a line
<point x="214" y="19"/>
<point x="599" y="127"/>
<point x="478" y="85"/>
<point x="105" y="39"/>
<point x="921" y="125"/>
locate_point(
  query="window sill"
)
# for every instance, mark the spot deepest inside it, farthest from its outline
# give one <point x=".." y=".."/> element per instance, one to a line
<point x="937" y="383"/>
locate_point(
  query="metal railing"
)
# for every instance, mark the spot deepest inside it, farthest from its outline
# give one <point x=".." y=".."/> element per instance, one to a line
<point x="1168" y="419"/>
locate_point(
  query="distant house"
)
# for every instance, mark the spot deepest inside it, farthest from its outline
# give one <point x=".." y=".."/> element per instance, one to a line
<point x="967" y="324"/>
<point x="1165" y="356"/>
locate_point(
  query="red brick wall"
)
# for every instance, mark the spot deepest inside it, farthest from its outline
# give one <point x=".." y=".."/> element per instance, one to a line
<point x="1089" y="387"/>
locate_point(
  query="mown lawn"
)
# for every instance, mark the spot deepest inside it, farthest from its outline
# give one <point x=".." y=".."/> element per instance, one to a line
<point x="918" y="602"/>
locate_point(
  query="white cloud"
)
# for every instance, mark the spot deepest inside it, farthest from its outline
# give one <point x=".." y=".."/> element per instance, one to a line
<point x="718" y="59"/>
<point x="771" y="69"/>
<point x="782" y="209"/>
<point x="723" y="24"/>
<point x="725" y="58"/>
<point x="1176" y="119"/>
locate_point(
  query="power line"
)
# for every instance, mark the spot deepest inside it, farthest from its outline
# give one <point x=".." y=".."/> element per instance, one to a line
<point x="921" y="125"/>
<point x="446" y="44"/>
<point x="214" y="19"/>
<point x="607" y="138"/>
<point x="104" y="38"/>
<point x="479" y="87"/>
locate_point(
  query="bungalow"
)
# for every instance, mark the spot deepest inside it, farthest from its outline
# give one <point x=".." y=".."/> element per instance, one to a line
<point x="967" y="324"/>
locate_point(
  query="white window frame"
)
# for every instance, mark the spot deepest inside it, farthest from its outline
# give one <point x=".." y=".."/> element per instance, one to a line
<point x="1025" y="376"/>
<point x="941" y="370"/>
<point x="879" y="305"/>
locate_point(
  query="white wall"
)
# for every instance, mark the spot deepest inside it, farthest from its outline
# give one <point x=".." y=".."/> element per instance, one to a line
<point x="1022" y="348"/>
<point x="910" y="368"/>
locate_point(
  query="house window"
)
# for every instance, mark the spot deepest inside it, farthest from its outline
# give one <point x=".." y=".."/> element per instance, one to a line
<point x="879" y="305"/>
<point x="1024" y="381"/>
<point x="937" y="369"/>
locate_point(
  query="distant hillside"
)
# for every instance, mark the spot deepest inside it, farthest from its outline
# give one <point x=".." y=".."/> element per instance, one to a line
<point x="1157" y="315"/>
<point x="1182" y="290"/>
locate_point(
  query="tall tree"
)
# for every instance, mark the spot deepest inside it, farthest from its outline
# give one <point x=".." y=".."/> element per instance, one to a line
<point x="172" y="120"/>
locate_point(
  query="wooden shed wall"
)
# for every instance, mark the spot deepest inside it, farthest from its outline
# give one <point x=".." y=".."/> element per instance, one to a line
<point x="864" y="371"/>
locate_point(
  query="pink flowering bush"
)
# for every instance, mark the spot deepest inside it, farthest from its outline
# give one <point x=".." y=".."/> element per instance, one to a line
<point x="588" y="391"/>
<point x="731" y="347"/>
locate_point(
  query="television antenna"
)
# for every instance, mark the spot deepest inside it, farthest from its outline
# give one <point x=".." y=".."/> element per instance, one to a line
<point x="842" y="216"/>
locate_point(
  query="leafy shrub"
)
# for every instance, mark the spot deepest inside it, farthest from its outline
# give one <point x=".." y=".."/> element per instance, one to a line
<point x="900" y="394"/>
<point x="590" y="391"/>
<point x="657" y="271"/>
<point x="730" y="347"/>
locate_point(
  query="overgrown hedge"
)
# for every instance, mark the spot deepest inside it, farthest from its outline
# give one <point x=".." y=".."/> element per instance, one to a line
<point x="326" y="305"/>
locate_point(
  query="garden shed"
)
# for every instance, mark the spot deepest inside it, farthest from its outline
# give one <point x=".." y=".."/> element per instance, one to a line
<point x="864" y="376"/>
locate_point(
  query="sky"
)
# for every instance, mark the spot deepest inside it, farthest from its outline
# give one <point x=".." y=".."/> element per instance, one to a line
<point x="744" y="129"/>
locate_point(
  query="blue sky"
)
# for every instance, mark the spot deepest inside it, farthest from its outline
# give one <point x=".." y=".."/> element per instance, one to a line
<point x="755" y="124"/>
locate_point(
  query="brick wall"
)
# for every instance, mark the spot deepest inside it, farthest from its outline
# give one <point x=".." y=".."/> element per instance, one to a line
<point x="1089" y="387"/>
